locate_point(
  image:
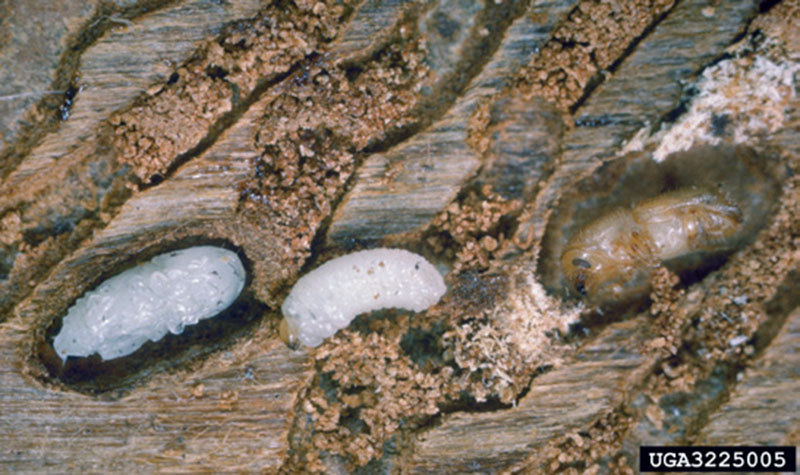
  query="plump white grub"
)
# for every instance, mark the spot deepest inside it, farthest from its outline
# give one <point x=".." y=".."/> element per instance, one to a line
<point x="330" y="297"/>
<point x="163" y="295"/>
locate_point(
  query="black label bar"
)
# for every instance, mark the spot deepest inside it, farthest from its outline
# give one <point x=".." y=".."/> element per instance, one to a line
<point x="717" y="459"/>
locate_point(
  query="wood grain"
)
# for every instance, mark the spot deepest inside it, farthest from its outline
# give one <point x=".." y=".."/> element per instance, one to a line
<point x="111" y="77"/>
<point x="641" y="92"/>
<point x="564" y="400"/>
<point x="72" y="214"/>
<point x="763" y="409"/>
<point x="77" y="152"/>
<point x="402" y="189"/>
<point x="243" y="412"/>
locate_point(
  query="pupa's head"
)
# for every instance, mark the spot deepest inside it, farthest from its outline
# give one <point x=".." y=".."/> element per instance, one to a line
<point x="288" y="334"/>
<point x="583" y="268"/>
<point x="596" y="276"/>
<point x="599" y="265"/>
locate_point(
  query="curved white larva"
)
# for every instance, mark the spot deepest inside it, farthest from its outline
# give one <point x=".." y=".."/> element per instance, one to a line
<point x="329" y="297"/>
<point x="163" y="295"/>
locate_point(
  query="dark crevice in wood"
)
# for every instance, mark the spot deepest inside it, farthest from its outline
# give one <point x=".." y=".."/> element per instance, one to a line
<point x="696" y="406"/>
<point x="600" y="77"/>
<point x="448" y="90"/>
<point x="65" y="108"/>
<point x="687" y="94"/>
<point x="64" y="224"/>
<point x="112" y="379"/>
<point x="67" y="77"/>
<point x="478" y="52"/>
<point x="706" y="398"/>
<point x="468" y="405"/>
<point x="689" y="91"/>
<point x="766" y="5"/>
<point x="241" y="106"/>
<point x="525" y="390"/>
<point x="592" y="321"/>
<point x="7" y="263"/>
<point x="786" y="299"/>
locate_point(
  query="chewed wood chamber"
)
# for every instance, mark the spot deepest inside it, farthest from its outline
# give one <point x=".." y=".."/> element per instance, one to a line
<point x="688" y="213"/>
<point x="164" y="295"/>
<point x="114" y="336"/>
<point x="612" y="257"/>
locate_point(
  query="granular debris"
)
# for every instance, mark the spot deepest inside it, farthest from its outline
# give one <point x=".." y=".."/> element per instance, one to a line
<point x="698" y="331"/>
<point x="668" y="315"/>
<point x="569" y="454"/>
<point x="171" y="119"/>
<point x="310" y="136"/>
<point x="471" y="230"/>
<point x="595" y="35"/>
<point x="371" y="391"/>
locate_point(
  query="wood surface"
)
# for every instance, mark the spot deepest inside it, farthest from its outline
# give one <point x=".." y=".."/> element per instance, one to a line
<point x="560" y="402"/>
<point x="765" y="400"/>
<point x="76" y="207"/>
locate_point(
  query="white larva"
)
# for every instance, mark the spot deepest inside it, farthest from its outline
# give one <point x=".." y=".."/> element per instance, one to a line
<point x="329" y="297"/>
<point x="144" y="303"/>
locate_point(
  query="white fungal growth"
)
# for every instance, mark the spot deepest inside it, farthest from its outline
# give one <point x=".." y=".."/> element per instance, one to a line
<point x="163" y="295"/>
<point x="746" y="97"/>
<point x="329" y="298"/>
<point x="737" y="100"/>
